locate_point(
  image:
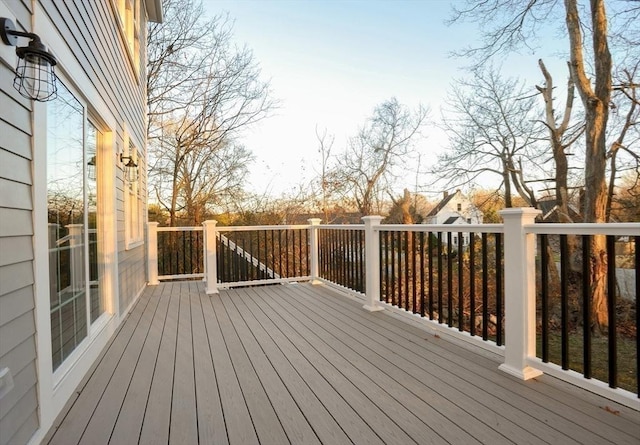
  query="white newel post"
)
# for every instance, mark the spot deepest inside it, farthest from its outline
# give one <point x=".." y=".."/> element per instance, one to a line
<point x="76" y="250"/>
<point x="314" y="261"/>
<point x="519" y="292"/>
<point x="211" y="263"/>
<point x="372" y="263"/>
<point x="152" y="253"/>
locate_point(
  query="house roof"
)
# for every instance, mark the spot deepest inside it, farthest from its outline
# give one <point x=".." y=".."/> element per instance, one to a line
<point x="451" y="219"/>
<point x="434" y="211"/>
<point x="549" y="208"/>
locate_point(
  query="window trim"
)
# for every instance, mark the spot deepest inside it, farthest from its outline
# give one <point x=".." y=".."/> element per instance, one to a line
<point x="132" y="45"/>
<point x="133" y="191"/>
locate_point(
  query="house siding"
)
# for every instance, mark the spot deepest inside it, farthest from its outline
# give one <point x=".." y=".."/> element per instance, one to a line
<point x="89" y="30"/>
<point x="19" y="407"/>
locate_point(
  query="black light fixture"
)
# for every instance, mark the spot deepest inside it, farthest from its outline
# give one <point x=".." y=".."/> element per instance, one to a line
<point x="91" y="168"/>
<point x="35" y="77"/>
<point x="130" y="168"/>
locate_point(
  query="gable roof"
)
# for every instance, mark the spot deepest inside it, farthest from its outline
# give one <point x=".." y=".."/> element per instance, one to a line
<point x="434" y="211"/>
<point x="549" y="208"/>
<point x="451" y="219"/>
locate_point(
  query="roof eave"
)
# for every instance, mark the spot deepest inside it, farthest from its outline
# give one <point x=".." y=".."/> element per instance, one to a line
<point x="154" y="10"/>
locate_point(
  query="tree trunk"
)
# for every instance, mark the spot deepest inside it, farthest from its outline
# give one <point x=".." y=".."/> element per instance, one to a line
<point x="596" y="104"/>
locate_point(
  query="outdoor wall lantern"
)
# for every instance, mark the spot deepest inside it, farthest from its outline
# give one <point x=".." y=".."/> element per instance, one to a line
<point x="91" y="168"/>
<point x="130" y="168"/>
<point x="35" y="78"/>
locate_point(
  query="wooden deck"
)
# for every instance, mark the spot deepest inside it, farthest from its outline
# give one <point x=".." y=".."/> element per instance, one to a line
<point x="302" y="364"/>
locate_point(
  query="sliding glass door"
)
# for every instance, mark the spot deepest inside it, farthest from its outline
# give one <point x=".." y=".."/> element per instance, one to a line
<point x="73" y="195"/>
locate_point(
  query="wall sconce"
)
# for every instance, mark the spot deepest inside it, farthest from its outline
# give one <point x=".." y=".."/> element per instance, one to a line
<point x="91" y="168"/>
<point x="35" y="77"/>
<point x="130" y="168"/>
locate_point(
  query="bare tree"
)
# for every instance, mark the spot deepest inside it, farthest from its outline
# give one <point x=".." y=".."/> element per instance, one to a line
<point x="562" y="135"/>
<point x="492" y="127"/>
<point x="202" y="91"/>
<point x="325" y="144"/>
<point x="369" y="165"/>
<point x="623" y="153"/>
<point x="508" y="24"/>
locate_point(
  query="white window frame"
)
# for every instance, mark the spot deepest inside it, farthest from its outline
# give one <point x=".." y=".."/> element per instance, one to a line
<point x="133" y="198"/>
<point x="128" y="15"/>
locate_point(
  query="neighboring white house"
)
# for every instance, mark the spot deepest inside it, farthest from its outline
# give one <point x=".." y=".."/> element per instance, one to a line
<point x="72" y="244"/>
<point x="455" y="209"/>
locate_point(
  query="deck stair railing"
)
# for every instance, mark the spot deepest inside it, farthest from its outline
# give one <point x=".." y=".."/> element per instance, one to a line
<point x="493" y="285"/>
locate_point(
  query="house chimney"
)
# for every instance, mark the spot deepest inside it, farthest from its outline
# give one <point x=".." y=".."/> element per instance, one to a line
<point x="445" y="194"/>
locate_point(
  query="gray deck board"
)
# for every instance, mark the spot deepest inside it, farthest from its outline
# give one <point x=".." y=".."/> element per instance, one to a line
<point x="184" y="425"/>
<point x="476" y="409"/>
<point x="70" y="426"/>
<point x="157" y="415"/>
<point x="302" y="364"/>
<point x="294" y="424"/>
<point x="211" y="426"/>
<point x="320" y="419"/>
<point x="239" y="424"/>
<point x="481" y="374"/>
<point x="131" y="416"/>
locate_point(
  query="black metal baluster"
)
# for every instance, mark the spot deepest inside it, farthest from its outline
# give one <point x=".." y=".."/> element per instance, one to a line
<point x="586" y="306"/>
<point x="392" y="237"/>
<point x="544" y="295"/>
<point x="174" y="265"/>
<point x="244" y="263"/>
<point x="440" y="278"/>
<point x="306" y="247"/>
<point x="611" y="307"/>
<point x="449" y="279"/>
<point x="637" y="267"/>
<point x="460" y="283"/>
<point x="182" y="252"/>
<point x="322" y="253"/>
<point x="341" y="249"/>
<point x="485" y="287"/>
<point x="272" y="251"/>
<point x="266" y="253"/>
<point x="406" y="270"/>
<point x="360" y="261"/>
<point x="188" y="263"/>
<point x="381" y="286"/>
<point x="198" y="251"/>
<point x="348" y="259"/>
<point x="430" y="254"/>
<point x="422" y="274"/>
<point x="236" y="258"/>
<point x="564" y="301"/>
<point x="249" y="256"/>
<point x="472" y="284"/>
<point x="400" y="290"/>
<point x="334" y="256"/>
<point x="387" y="267"/>
<point x="499" y="293"/>
<point x="286" y="249"/>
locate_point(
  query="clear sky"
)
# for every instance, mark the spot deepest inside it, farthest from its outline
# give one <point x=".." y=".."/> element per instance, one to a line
<point x="331" y="62"/>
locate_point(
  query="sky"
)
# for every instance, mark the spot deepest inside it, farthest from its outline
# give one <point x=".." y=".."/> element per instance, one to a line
<point x="330" y="62"/>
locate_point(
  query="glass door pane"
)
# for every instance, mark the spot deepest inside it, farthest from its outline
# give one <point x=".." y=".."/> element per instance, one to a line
<point x="66" y="218"/>
<point x="96" y="267"/>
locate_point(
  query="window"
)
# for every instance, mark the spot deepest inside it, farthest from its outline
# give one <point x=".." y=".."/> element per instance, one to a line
<point x="129" y="17"/>
<point x="459" y="207"/>
<point x="134" y="204"/>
